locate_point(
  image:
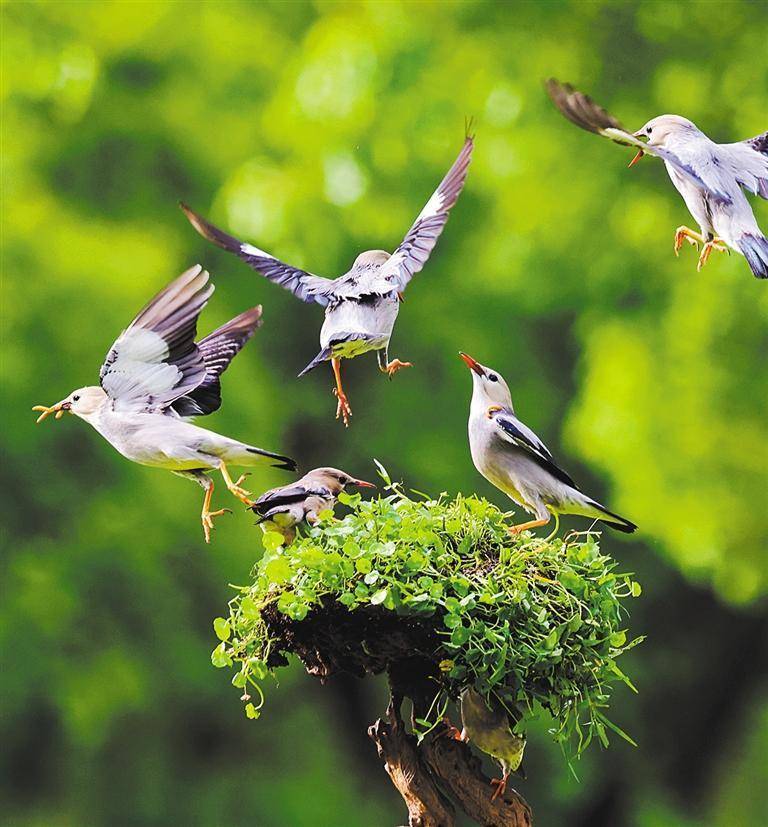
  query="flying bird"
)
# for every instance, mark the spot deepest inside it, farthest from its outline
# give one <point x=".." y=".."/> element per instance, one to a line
<point x="511" y="457"/>
<point x="282" y="509"/>
<point x="361" y="306"/>
<point x="710" y="177"/>
<point x="156" y="377"/>
<point x="488" y="725"/>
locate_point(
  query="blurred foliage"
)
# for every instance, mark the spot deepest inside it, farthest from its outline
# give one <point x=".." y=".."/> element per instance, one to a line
<point x="539" y="622"/>
<point x="315" y="130"/>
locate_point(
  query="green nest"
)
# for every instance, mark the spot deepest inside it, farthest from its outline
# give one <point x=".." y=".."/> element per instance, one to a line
<point x="537" y="621"/>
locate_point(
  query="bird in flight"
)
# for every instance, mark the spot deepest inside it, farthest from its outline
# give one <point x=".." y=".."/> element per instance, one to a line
<point x="361" y="306"/>
<point x="156" y="377"/>
<point x="282" y="509"/>
<point x="712" y="178"/>
<point x="511" y="457"/>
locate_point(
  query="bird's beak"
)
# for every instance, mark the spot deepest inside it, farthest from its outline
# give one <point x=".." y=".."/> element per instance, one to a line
<point x="471" y="363"/>
<point x="640" y="153"/>
<point x="59" y="408"/>
<point x="362" y="484"/>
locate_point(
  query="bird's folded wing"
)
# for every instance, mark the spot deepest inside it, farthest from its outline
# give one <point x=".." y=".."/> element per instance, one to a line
<point x="417" y="245"/>
<point x="580" y="109"/>
<point x="510" y="429"/>
<point x="750" y="163"/>
<point x="303" y="285"/>
<point x="218" y="349"/>
<point x="155" y="360"/>
<point x="289" y="494"/>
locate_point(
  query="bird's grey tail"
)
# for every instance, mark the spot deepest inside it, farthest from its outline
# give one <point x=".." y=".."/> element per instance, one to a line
<point x="323" y="356"/>
<point x="754" y="248"/>
<point x="278" y="461"/>
<point x="613" y="520"/>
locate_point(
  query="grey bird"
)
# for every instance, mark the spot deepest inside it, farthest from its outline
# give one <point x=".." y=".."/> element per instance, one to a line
<point x="155" y="377"/>
<point x="511" y="457"/>
<point x="361" y="306"/>
<point x="282" y="509"/>
<point x="488" y="725"/>
<point x="710" y="177"/>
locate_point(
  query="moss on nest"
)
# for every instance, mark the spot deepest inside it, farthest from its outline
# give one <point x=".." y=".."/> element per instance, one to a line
<point x="538" y="621"/>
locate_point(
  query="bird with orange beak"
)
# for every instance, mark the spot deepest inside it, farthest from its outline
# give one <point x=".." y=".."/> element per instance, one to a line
<point x="283" y="509"/>
<point x="712" y="178"/>
<point x="511" y="457"/>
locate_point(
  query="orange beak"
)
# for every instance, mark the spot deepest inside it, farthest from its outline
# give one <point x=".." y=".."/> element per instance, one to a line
<point x="471" y="363"/>
<point x="362" y="484"/>
<point x="637" y="157"/>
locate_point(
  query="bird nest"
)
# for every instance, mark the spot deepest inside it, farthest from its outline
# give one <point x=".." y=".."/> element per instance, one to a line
<point x="437" y="594"/>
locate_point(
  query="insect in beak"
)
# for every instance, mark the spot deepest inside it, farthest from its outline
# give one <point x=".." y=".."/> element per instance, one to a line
<point x="58" y="409"/>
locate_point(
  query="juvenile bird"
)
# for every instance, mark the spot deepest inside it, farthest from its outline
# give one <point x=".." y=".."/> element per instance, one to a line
<point x="361" y="306"/>
<point x="282" y="509"/>
<point x="156" y="376"/>
<point x="488" y="725"/>
<point x="511" y="457"/>
<point x="710" y="177"/>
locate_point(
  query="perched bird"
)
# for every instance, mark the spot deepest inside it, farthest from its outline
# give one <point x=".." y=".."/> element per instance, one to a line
<point x="361" y="306"/>
<point x="488" y="725"/>
<point x="156" y="376"/>
<point x="511" y="457"/>
<point x="282" y="509"/>
<point x="710" y="177"/>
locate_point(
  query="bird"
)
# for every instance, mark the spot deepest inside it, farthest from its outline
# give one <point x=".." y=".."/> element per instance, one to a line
<point x="710" y="177"/>
<point x="488" y="725"/>
<point x="156" y="377"/>
<point x="282" y="509"/>
<point x="361" y="306"/>
<point x="511" y="457"/>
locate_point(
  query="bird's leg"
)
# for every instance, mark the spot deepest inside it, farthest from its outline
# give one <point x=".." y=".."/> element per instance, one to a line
<point x="343" y="408"/>
<point x="235" y="488"/>
<point x="514" y="530"/>
<point x="206" y="515"/>
<point x="712" y="243"/>
<point x="500" y="784"/>
<point x="390" y="367"/>
<point x="684" y="233"/>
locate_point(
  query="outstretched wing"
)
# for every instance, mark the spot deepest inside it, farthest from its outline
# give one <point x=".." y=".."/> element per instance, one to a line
<point x="155" y="360"/>
<point x="580" y="109"/>
<point x="750" y="163"/>
<point x="510" y="429"/>
<point x="417" y="245"/>
<point x="218" y="349"/>
<point x="303" y="285"/>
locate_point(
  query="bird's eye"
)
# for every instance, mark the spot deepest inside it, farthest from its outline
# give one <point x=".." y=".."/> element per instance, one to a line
<point x="649" y="129"/>
<point x="76" y="397"/>
<point x="492" y="377"/>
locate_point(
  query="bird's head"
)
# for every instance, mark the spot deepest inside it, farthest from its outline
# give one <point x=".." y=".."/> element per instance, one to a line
<point x="83" y="403"/>
<point x="666" y="129"/>
<point x="488" y="386"/>
<point x="371" y="257"/>
<point x="338" y="480"/>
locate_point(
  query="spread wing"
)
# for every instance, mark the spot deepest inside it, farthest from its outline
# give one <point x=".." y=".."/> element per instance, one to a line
<point x="750" y="163"/>
<point x="218" y="349"/>
<point x="155" y="360"/>
<point x="580" y="109"/>
<point x="288" y="495"/>
<point x="510" y="429"/>
<point x="303" y="285"/>
<point x="417" y="245"/>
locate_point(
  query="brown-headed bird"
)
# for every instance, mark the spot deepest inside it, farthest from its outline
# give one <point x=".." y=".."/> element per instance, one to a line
<point x="156" y="377"/>
<point x="361" y="306"/>
<point x="282" y="509"/>
<point x="710" y="177"/>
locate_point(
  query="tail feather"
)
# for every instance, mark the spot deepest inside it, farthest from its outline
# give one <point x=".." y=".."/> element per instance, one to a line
<point x="754" y="248"/>
<point x="323" y="356"/>
<point x="612" y="519"/>
<point x="285" y="463"/>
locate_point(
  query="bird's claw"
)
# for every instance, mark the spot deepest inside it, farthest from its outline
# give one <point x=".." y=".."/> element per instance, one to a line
<point x="685" y="234"/>
<point x="501" y="787"/>
<point x="343" y="408"/>
<point x="206" y="518"/>
<point x="58" y="409"/>
<point x="713" y="244"/>
<point x="394" y="366"/>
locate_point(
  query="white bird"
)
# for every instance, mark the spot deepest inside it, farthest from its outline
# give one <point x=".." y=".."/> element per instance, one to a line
<point x="361" y="306"/>
<point x="282" y="509"/>
<point x="511" y="457"/>
<point x="710" y="177"/>
<point x="156" y="376"/>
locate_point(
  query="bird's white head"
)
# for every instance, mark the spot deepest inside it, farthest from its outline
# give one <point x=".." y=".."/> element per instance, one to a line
<point x="337" y="480"/>
<point x="84" y="402"/>
<point x="665" y="130"/>
<point x="370" y="257"/>
<point x="488" y="385"/>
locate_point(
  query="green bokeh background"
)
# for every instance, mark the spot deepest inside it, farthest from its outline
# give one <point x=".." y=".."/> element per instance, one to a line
<point x="315" y="130"/>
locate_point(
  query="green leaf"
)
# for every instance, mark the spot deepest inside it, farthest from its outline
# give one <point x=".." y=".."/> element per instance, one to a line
<point x="379" y="597"/>
<point x="363" y="565"/>
<point x="222" y="628"/>
<point x="251" y="712"/>
<point x="272" y="540"/>
<point x="278" y="571"/>
<point x="249" y="609"/>
<point x="220" y="657"/>
<point x="637" y="589"/>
